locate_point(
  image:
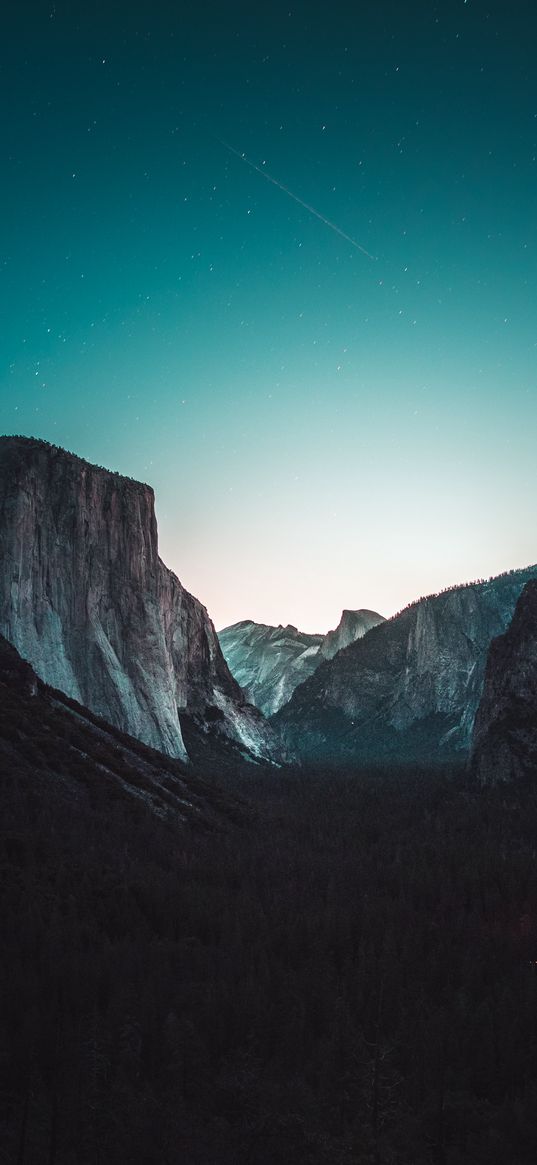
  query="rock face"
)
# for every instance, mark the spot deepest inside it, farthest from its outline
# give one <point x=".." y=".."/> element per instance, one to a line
<point x="409" y="689"/>
<point x="504" y="744"/>
<point x="85" y="598"/>
<point x="353" y="625"/>
<point x="270" y="662"/>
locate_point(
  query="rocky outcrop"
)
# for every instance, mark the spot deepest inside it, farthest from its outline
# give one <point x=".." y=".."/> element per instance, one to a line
<point x="270" y="662"/>
<point x="409" y="689"/>
<point x="85" y="598"/>
<point x="504" y="744"/>
<point x="353" y="625"/>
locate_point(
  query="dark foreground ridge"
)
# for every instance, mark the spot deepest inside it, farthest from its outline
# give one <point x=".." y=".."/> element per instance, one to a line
<point x="344" y="973"/>
<point x="68" y="756"/>
<point x="505" y="732"/>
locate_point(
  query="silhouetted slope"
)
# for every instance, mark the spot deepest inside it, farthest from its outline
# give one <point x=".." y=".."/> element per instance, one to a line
<point x="504" y="745"/>
<point x="63" y="751"/>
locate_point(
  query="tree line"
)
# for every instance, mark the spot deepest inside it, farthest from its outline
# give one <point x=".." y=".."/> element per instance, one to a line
<point x="344" y="971"/>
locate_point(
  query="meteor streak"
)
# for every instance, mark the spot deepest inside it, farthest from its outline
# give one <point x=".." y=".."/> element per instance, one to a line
<point x="311" y="209"/>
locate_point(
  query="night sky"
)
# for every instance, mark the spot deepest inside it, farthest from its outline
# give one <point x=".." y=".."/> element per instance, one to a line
<point x="323" y="427"/>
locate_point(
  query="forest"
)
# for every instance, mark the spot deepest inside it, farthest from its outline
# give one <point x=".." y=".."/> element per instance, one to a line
<point x="335" y="968"/>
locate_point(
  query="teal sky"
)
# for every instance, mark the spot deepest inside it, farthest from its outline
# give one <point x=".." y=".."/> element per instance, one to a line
<point x="322" y="429"/>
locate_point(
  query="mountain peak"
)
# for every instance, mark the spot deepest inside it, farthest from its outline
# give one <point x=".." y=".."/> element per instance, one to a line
<point x="352" y="625"/>
<point x="271" y="662"/>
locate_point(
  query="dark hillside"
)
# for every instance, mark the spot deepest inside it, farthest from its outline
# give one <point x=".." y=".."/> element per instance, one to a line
<point x="345" y="972"/>
<point x="504" y="746"/>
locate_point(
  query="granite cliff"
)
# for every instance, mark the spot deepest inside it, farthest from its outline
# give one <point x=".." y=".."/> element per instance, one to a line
<point x="270" y="662"/>
<point x="352" y="625"/>
<point x="504" y="744"/>
<point x="86" y="600"/>
<point x="410" y="688"/>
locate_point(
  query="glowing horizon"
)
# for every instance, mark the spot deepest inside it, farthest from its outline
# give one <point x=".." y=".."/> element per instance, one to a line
<point x="321" y="431"/>
<point x="224" y="586"/>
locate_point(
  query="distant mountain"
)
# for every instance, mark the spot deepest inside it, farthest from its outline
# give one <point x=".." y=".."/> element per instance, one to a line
<point x="408" y="690"/>
<point x="270" y="662"/>
<point x="87" y="601"/>
<point x="352" y="625"/>
<point x="504" y="744"/>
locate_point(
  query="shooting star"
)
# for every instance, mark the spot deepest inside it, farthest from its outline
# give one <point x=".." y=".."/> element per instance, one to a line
<point x="311" y="209"/>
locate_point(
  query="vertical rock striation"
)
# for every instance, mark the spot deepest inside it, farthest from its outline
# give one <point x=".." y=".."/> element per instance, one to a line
<point x="85" y="598"/>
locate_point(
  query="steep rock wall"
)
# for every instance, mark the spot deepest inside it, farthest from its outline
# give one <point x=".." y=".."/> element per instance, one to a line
<point x="352" y="625"/>
<point x="409" y="689"/>
<point x="86" y="600"/>
<point x="269" y="662"/>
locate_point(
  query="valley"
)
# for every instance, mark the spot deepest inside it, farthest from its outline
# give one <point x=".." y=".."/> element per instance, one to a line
<point x="310" y="937"/>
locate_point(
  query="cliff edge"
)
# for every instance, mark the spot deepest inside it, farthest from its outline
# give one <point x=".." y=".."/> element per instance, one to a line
<point x="85" y="598"/>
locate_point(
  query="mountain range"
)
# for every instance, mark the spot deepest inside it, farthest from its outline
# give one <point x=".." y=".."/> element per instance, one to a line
<point x="410" y="688"/>
<point x="88" y="603"/>
<point x="212" y="957"/>
<point x="270" y="662"/>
